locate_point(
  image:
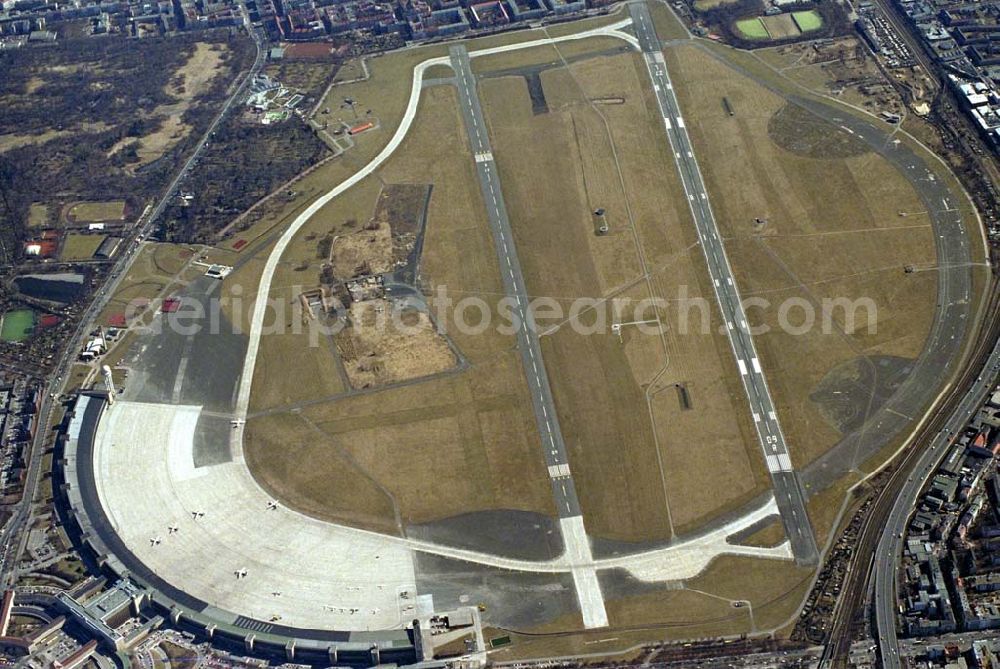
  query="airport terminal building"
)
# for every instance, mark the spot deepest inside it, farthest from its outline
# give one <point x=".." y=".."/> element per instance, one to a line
<point x="102" y="550"/>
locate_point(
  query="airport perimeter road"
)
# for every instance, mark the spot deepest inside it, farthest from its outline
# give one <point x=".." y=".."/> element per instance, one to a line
<point x="890" y="546"/>
<point x="785" y="481"/>
<point x="574" y="536"/>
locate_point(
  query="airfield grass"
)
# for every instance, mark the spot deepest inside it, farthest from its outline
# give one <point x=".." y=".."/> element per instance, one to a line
<point x="668" y="25"/>
<point x="456" y="444"/>
<point x="771" y="534"/>
<point x="703" y="5"/>
<point x="617" y="398"/>
<point x="450" y="444"/>
<point x="439" y="72"/>
<point x="92" y="212"/>
<point x="825" y="507"/>
<point x="832" y="230"/>
<point x="294" y="367"/>
<point x="701" y="609"/>
<point x="80" y="247"/>
<point x="386" y="93"/>
<point x="762" y="69"/>
<point x="547" y="54"/>
<point x="333" y="487"/>
<point x="78" y="375"/>
<point x="570" y="27"/>
<point x="475" y="428"/>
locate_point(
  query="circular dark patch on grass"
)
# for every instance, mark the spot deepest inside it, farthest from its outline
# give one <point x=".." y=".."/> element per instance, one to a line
<point x="795" y="129"/>
<point x="855" y="389"/>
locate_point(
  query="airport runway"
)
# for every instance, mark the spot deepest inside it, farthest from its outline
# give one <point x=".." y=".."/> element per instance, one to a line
<point x="563" y="489"/>
<point x="956" y="256"/>
<point x="787" y="488"/>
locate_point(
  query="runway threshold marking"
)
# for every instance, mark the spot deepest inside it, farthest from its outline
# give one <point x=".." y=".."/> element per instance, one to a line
<point x="575" y="539"/>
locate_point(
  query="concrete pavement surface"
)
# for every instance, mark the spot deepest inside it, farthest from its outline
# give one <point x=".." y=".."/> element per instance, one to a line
<point x="13" y="539"/>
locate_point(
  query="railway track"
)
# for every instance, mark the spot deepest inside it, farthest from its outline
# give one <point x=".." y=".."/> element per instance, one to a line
<point x="849" y="612"/>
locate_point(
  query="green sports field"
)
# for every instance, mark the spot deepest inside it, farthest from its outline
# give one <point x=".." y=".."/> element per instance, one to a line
<point x="808" y="21"/>
<point x="17" y="325"/>
<point x="752" y="28"/>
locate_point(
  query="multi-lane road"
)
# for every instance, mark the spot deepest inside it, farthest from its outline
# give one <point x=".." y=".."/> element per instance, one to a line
<point x="890" y="546"/>
<point x="574" y="536"/>
<point x="785" y="482"/>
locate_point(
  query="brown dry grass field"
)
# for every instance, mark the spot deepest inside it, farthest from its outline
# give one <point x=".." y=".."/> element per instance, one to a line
<point x="832" y="230"/>
<point x="191" y="79"/>
<point x="701" y="609"/>
<point x="293" y="367"/>
<point x="546" y="54"/>
<point x="38" y="215"/>
<point x="752" y="62"/>
<point x="366" y="251"/>
<point x="640" y="460"/>
<point x="668" y="26"/>
<point x="80" y="247"/>
<point x="386" y="93"/>
<point x="384" y="345"/>
<point x="87" y="212"/>
<point x="843" y="68"/>
<point x="457" y="443"/>
<point x="702" y="5"/>
<point x="632" y="447"/>
<point x="781" y="26"/>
